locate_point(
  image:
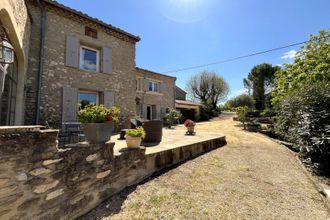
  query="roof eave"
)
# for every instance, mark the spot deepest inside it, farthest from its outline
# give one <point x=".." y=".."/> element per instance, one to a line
<point x="95" y="20"/>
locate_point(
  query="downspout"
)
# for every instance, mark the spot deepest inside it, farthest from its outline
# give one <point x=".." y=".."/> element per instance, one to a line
<point x="41" y="60"/>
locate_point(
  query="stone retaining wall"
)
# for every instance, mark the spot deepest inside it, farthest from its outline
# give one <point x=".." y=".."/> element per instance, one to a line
<point x="40" y="181"/>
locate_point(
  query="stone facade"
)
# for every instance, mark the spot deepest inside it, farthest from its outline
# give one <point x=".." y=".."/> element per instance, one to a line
<point x="160" y="100"/>
<point x="180" y="94"/>
<point x="40" y="181"/>
<point x="58" y="75"/>
<point x="51" y="40"/>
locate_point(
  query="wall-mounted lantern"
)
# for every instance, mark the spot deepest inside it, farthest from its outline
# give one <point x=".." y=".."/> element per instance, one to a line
<point x="6" y="49"/>
<point x="7" y="56"/>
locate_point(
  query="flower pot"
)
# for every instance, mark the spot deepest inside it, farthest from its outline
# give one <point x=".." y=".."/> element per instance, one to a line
<point x="133" y="142"/>
<point x="191" y="129"/>
<point x="97" y="133"/>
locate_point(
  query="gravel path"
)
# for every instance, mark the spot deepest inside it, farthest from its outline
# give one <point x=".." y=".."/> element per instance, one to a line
<point x="251" y="177"/>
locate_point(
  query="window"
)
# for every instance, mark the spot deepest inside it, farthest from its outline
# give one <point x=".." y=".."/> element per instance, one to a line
<point x="87" y="97"/>
<point x="89" y="59"/>
<point x="8" y="98"/>
<point x="153" y="87"/>
<point x="138" y="84"/>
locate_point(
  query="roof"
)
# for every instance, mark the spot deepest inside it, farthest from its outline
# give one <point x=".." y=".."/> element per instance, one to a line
<point x="95" y="20"/>
<point x="152" y="72"/>
<point x="182" y="102"/>
<point x="181" y="90"/>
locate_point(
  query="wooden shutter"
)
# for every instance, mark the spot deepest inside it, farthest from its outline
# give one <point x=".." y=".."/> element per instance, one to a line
<point x="108" y="99"/>
<point x="146" y="84"/>
<point x="163" y="87"/>
<point x="158" y="113"/>
<point x="107" y="60"/>
<point x="72" y="51"/>
<point x="144" y="111"/>
<point x="69" y="104"/>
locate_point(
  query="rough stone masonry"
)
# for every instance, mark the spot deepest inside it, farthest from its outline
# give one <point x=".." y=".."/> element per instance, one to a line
<point x="40" y="181"/>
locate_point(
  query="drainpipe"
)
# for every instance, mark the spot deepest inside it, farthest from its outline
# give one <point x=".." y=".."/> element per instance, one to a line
<point x="41" y="60"/>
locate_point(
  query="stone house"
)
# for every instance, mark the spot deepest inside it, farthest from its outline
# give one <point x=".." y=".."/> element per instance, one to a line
<point x="71" y="59"/>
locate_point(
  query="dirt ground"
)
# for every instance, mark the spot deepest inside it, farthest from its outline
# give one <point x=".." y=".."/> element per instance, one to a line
<point x="252" y="177"/>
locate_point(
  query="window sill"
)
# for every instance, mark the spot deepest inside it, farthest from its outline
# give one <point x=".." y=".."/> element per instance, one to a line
<point x="154" y="93"/>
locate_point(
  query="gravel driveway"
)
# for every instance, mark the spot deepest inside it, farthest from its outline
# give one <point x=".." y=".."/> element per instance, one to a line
<point x="251" y="177"/>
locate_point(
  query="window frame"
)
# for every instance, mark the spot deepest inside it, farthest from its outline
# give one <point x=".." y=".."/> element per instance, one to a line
<point x="97" y="58"/>
<point x="153" y="83"/>
<point x="89" y="92"/>
<point x="139" y="84"/>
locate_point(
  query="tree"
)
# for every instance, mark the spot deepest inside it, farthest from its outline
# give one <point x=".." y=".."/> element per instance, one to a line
<point x="248" y="85"/>
<point x="262" y="76"/>
<point x="241" y="100"/>
<point x="311" y="65"/>
<point x="208" y="87"/>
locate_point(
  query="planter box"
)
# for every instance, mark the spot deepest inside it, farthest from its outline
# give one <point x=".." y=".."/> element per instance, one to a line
<point x="97" y="133"/>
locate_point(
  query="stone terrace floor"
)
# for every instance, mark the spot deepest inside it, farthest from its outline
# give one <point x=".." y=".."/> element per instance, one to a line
<point x="172" y="138"/>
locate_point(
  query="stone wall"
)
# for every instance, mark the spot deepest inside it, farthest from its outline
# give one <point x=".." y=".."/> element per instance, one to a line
<point x="40" y="181"/>
<point x="56" y="74"/>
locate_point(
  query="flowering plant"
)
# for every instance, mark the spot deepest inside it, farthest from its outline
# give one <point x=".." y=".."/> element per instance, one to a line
<point x="98" y="114"/>
<point x="189" y="123"/>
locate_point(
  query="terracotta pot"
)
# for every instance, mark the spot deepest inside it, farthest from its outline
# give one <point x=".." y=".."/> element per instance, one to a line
<point x="191" y="129"/>
<point x="97" y="133"/>
<point x="133" y="142"/>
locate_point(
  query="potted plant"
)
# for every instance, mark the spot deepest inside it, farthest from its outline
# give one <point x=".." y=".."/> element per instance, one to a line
<point x="190" y="125"/>
<point x="134" y="137"/>
<point x="171" y="116"/>
<point x="97" y="122"/>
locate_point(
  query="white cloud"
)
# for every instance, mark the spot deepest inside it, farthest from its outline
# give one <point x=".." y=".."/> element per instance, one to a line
<point x="240" y="92"/>
<point x="289" y="55"/>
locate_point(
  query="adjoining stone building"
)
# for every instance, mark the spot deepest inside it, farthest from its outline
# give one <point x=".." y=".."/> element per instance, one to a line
<point x="154" y="94"/>
<point x="188" y="109"/>
<point x="74" y="59"/>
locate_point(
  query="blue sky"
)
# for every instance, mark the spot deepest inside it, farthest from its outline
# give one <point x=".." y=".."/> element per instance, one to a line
<point x="182" y="33"/>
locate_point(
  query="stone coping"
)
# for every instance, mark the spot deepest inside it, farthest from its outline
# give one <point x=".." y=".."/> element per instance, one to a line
<point x="20" y="129"/>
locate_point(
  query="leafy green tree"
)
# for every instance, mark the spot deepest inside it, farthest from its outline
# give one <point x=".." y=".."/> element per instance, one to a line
<point x="311" y="64"/>
<point x="261" y="76"/>
<point x="208" y="87"/>
<point x="248" y="85"/>
<point x="241" y="100"/>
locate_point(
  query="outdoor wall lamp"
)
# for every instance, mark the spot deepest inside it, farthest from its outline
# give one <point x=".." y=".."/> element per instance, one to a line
<point x="6" y="49"/>
<point x="7" y="55"/>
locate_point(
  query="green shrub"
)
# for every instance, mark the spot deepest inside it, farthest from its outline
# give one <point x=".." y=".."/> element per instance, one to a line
<point x="303" y="118"/>
<point x="137" y="132"/>
<point x="241" y="113"/>
<point x="98" y="114"/>
<point x="172" y="115"/>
